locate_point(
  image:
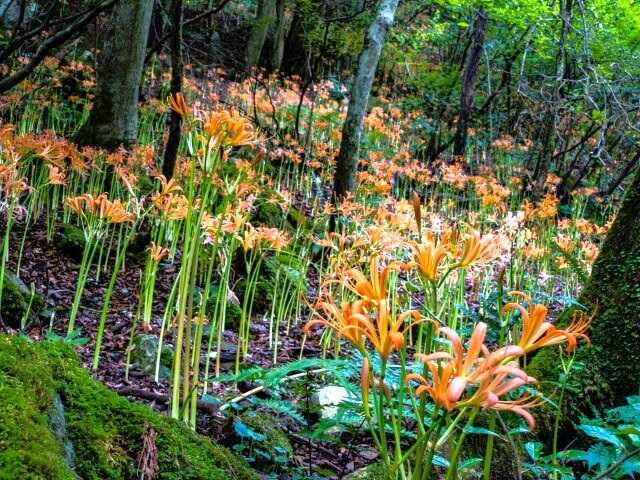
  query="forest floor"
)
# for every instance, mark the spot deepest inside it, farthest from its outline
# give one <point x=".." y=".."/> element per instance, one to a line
<point x="54" y="274"/>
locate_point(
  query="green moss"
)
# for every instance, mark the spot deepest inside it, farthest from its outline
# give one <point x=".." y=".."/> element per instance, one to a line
<point x="17" y="301"/>
<point x="28" y="447"/>
<point x="71" y="240"/>
<point x="272" y="452"/>
<point x="14" y="304"/>
<point x="374" y="471"/>
<point x="104" y="429"/>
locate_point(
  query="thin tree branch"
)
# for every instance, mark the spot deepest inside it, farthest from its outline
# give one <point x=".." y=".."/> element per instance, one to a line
<point x="52" y="42"/>
<point x="191" y="21"/>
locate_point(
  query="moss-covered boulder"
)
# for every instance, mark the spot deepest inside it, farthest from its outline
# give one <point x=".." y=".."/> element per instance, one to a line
<point x="106" y="433"/>
<point x="375" y="471"/>
<point x="71" y="240"/>
<point x="257" y="436"/>
<point x="144" y="355"/>
<point x="18" y="301"/>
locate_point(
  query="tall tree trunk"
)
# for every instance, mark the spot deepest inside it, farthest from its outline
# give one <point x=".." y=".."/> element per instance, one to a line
<point x="177" y="72"/>
<point x="114" y="117"/>
<point x="265" y="17"/>
<point x="468" y="79"/>
<point x="347" y="162"/>
<point x="276" y="50"/>
<point x="610" y="370"/>
<point x="295" y="57"/>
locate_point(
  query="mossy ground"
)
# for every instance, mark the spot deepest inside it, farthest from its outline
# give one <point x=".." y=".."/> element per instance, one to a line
<point x="105" y="429"/>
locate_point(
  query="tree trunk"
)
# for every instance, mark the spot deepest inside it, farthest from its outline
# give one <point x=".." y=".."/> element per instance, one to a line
<point x="177" y="72"/>
<point x="610" y="370"/>
<point x="295" y="55"/>
<point x="468" y="79"/>
<point x="347" y="162"/>
<point x="114" y="117"/>
<point x="265" y="17"/>
<point x="276" y="50"/>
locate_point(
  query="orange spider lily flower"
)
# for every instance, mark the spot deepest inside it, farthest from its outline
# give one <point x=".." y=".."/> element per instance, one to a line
<point x="157" y="252"/>
<point x="99" y="206"/>
<point x="438" y="388"/>
<point x="372" y="291"/>
<point x="114" y="211"/>
<point x="478" y="249"/>
<point x="469" y="368"/>
<point x="520" y="407"/>
<point x="536" y="333"/>
<point x="56" y="177"/>
<point x="502" y="380"/>
<point x="179" y="106"/>
<point x="429" y="255"/>
<point x="250" y="237"/>
<point x="340" y="319"/>
<point x="76" y="204"/>
<point x="167" y="187"/>
<point x="385" y="334"/>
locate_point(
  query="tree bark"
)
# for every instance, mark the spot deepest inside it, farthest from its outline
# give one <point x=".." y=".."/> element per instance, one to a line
<point x="295" y="53"/>
<point x="265" y="17"/>
<point x="276" y="50"/>
<point x="610" y="372"/>
<point x="177" y="72"/>
<point x="114" y="118"/>
<point x="347" y="162"/>
<point x="468" y="79"/>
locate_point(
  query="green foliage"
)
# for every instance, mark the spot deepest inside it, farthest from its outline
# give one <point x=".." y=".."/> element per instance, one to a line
<point x="72" y="338"/>
<point x="614" y="453"/>
<point x="261" y="442"/>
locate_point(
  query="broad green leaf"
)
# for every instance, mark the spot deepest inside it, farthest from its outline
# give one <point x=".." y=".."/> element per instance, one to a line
<point x="479" y="430"/>
<point x="245" y="432"/>
<point x="534" y="449"/>
<point x="441" y="461"/>
<point x="602" y="433"/>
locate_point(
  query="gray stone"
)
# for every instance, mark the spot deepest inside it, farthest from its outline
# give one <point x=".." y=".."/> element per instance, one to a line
<point x="10" y="12"/>
<point x="145" y="352"/>
<point x="59" y="428"/>
<point x="215" y="42"/>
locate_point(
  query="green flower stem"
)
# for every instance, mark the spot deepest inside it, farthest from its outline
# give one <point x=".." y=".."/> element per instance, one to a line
<point x="91" y="245"/>
<point x="112" y="283"/>
<point x="452" y="473"/>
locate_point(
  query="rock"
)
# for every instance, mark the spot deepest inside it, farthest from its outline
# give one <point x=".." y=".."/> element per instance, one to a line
<point x="259" y="439"/>
<point x="329" y="399"/>
<point x="59" y="428"/>
<point x="215" y="42"/>
<point x="71" y="240"/>
<point x="145" y="353"/>
<point x="17" y="301"/>
<point x="331" y="402"/>
<point x="370" y="472"/>
<point x="103" y="429"/>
